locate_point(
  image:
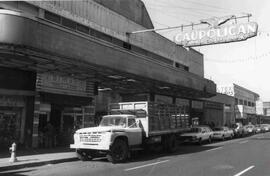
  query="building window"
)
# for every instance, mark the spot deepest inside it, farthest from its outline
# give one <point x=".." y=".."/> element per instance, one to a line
<point x="249" y="103"/>
<point x="52" y="17"/>
<point x="83" y="28"/>
<point x="186" y="68"/>
<point x="127" y="45"/>
<point x="236" y="101"/>
<point x="227" y="106"/>
<point x="245" y="102"/>
<point x="68" y="23"/>
<point x="241" y="102"/>
<point x="105" y="37"/>
<point x="178" y="65"/>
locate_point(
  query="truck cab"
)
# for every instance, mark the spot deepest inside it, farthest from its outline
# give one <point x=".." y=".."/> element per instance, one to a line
<point x="115" y="136"/>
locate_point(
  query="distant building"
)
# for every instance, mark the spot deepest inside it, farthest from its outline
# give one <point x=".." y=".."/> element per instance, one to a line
<point x="266" y="108"/>
<point x="245" y="102"/>
<point x="219" y="110"/>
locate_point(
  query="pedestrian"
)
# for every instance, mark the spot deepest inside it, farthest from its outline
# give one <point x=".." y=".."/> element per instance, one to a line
<point x="49" y="135"/>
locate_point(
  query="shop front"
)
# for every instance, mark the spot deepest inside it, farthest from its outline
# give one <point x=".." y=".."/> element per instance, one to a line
<point x="214" y="114"/>
<point x="62" y="105"/>
<point x="16" y="98"/>
<point x="12" y="118"/>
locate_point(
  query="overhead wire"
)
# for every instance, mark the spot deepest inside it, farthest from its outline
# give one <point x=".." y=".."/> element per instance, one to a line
<point x="161" y="7"/>
<point x="192" y="10"/>
<point x="211" y="6"/>
<point x="240" y="60"/>
<point x="170" y="15"/>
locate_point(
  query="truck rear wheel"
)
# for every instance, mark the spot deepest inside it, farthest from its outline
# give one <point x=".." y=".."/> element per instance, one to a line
<point x="118" y="152"/>
<point x="172" y="144"/>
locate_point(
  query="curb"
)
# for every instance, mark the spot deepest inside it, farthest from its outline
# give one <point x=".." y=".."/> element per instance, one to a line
<point x="33" y="164"/>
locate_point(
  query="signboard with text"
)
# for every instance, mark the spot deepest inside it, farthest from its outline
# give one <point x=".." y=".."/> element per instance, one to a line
<point x="55" y="83"/>
<point x="217" y="34"/>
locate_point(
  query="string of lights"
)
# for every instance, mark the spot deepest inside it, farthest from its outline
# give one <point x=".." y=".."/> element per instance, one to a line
<point x="248" y="59"/>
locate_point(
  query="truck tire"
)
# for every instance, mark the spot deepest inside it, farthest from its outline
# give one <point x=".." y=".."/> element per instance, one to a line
<point x="119" y="151"/>
<point x="83" y="155"/>
<point x="171" y="144"/>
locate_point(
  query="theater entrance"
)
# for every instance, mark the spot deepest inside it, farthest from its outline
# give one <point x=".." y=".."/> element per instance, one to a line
<point x="71" y="120"/>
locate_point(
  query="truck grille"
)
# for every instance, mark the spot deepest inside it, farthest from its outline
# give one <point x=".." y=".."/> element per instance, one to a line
<point x="90" y="138"/>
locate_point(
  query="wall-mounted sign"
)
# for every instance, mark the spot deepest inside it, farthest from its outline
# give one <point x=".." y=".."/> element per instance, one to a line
<point x="228" y="90"/>
<point x="217" y="34"/>
<point x="55" y="83"/>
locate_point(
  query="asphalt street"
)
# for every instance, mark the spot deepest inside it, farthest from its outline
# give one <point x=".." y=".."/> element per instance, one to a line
<point x="247" y="156"/>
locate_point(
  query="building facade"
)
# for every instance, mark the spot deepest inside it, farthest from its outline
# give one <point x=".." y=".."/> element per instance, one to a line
<point x="266" y="108"/>
<point x="56" y="55"/>
<point x="245" y="102"/>
<point x="219" y="110"/>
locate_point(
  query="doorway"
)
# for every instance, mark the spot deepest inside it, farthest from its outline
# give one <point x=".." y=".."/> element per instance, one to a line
<point x="71" y="120"/>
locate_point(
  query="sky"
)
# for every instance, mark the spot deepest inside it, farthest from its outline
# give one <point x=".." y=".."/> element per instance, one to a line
<point x="246" y="63"/>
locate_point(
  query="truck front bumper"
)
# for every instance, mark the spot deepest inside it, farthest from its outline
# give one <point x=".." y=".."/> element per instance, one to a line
<point x="89" y="146"/>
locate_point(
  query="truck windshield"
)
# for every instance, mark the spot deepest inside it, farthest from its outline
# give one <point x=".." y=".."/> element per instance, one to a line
<point x="113" y="121"/>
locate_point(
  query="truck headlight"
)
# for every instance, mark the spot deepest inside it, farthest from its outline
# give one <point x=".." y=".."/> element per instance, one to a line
<point x="76" y="138"/>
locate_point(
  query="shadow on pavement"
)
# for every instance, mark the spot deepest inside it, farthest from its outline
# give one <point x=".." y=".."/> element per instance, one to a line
<point x="260" y="138"/>
<point x="145" y="155"/>
<point x="16" y="173"/>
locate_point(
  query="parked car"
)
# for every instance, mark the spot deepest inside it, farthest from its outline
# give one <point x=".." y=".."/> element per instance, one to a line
<point x="222" y="133"/>
<point x="198" y="135"/>
<point x="266" y="127"/>
<point x="249" y="129"/>
<point x="238" y="130"/>
<point x="259" y="129"/>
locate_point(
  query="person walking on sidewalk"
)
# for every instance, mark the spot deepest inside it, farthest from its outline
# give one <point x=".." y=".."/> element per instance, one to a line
<point x="49" y="135"/>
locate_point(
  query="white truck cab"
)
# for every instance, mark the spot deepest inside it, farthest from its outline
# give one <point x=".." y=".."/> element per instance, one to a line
<point x="114" y="136"/>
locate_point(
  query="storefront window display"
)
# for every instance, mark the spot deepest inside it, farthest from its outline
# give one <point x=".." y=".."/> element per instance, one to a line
<point x="9" y="128"/>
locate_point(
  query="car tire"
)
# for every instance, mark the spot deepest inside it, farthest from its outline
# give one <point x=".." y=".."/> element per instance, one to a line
<point x="209" y="140"/>
<point x="200" y="141"/>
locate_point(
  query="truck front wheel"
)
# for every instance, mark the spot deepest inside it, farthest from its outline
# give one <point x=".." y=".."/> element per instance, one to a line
<point x="118" y="152"/>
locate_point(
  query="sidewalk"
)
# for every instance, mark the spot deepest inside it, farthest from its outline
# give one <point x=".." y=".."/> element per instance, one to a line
<point x="30" y="158"/>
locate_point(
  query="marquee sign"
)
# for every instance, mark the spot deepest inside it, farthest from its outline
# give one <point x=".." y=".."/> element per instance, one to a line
<point x="55" y="83"/>
<point x="217" y="33"/>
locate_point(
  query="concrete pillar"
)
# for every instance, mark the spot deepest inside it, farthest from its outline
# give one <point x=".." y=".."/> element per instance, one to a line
<point x="36" y="122"/>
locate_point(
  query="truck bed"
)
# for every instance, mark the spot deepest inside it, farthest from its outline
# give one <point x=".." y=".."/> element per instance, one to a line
<point x="156" y="118"/>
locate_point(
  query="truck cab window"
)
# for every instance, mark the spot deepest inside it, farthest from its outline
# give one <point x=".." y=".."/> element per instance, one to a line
<point x="132" y="123"/>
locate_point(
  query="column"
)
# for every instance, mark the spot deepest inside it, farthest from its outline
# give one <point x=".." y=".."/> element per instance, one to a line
<point x="36" y="122"/>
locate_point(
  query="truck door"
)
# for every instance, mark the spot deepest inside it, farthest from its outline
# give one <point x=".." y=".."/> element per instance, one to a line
<point x="134" y="132"/>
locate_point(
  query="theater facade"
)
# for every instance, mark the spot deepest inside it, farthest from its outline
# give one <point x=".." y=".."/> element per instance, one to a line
<point x="58" y="58"/>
